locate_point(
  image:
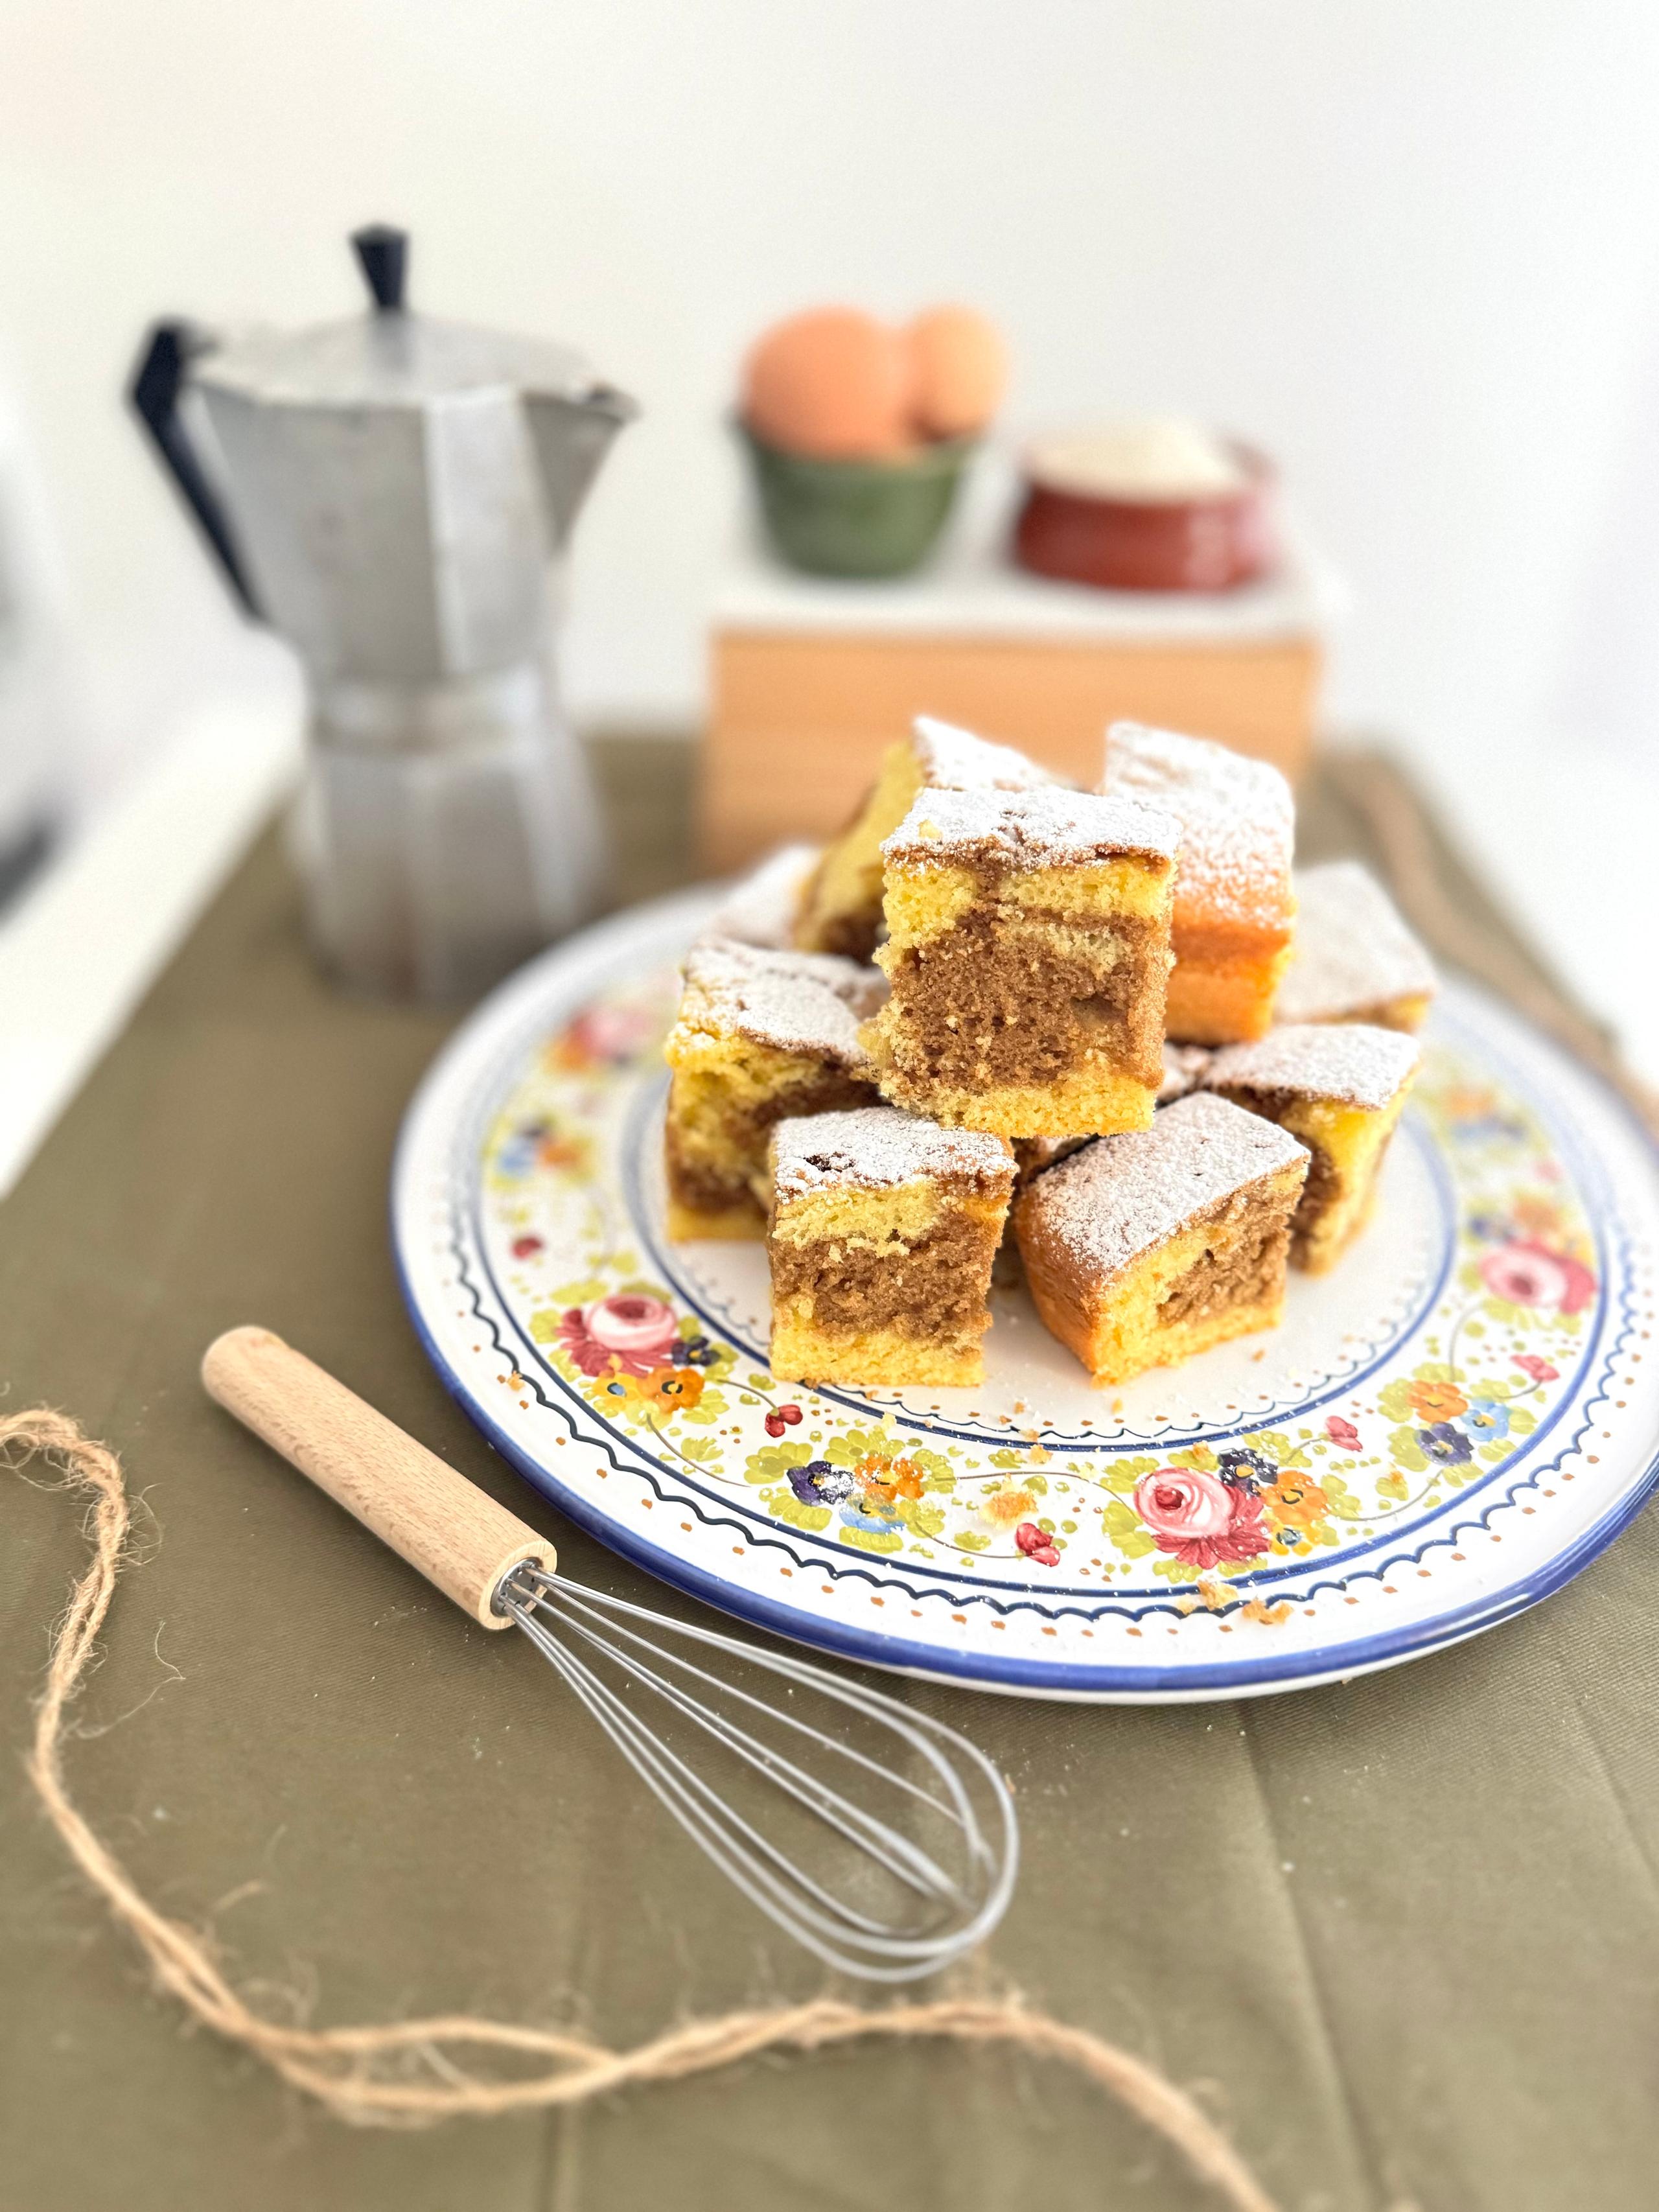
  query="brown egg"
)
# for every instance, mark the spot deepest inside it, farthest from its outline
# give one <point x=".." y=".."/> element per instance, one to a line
<point x="833" y="382"/>
<point x="958" y="370"/>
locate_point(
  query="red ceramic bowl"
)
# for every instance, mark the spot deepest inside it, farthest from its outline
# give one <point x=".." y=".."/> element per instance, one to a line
<point x="1205" y="544"/>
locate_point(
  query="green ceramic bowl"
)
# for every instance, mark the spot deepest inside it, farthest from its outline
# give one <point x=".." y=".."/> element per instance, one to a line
<point x="856" y="518"/>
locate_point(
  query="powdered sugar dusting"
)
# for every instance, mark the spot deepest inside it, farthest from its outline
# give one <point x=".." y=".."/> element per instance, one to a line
<point x="1346" y="1061"/>
<point x="1122" y="1195"/>
<point x="1237" y="819"/>
<point x="1352" y="951"/>
<point x="808" y="1002"/>
<point x="760" y="907"/>
<point x="1045" y="829"/>
<point x="1034" y="1156"/>
<point x="955" y="760"/>
<point x="1183" y="1070"/>
<point x="876" y="1147"/>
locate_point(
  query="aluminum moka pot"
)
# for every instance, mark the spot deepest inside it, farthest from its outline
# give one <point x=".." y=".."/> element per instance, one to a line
<point x="394" y="495"/>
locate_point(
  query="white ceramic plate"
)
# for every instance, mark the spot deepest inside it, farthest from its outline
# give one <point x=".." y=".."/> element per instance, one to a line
<point x="1445" y="1429"/>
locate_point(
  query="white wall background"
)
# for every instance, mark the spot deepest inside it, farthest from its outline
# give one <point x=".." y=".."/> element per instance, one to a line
<point x="1411" y="249"/>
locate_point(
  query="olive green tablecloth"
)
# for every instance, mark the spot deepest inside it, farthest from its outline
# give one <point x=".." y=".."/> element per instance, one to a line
<point x="1404" y="1933"/>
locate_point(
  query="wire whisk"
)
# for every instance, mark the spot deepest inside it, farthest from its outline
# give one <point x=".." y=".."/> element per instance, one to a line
<point x="889" y="1844"/>
<point x="955" y="1904"/>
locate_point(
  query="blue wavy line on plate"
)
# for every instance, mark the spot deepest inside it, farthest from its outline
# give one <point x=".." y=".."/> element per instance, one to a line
<point x="1087" y="1605"/>
<point x="857" y="1643"/>
<point x="831" y="1558"/>
<point x="486" y="1106"/>
<point x="987" y="1668"/>
<point x="468" y="1148"/>
<point x="1336" y="1383"/>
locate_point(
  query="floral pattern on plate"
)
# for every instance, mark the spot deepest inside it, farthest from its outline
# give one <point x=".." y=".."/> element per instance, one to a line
<point x="1474" y="1384"/>
<point x="1446" y="1428"/>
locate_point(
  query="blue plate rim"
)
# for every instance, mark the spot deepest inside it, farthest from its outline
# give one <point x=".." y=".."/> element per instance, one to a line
<point x="1262" y="1672"/>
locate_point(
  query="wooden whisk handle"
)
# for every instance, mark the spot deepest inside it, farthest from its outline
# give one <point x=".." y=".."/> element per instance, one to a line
<point x="441" y="1523"/>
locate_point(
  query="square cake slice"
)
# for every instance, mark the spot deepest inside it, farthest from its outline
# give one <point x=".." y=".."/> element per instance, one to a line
<point x="883" y="1229"/>
<point x="1028" y="944"/>
<point x="841" y="909"/>
<point x="1339" y="1090"/>
<point x="1235" y="908"/>
<point x="760" y="1034"/>
<point x="1145" y="1248"/>
<point x="1354" y="958"/>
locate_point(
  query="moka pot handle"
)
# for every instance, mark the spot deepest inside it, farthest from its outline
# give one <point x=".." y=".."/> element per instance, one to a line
<point x="158" y="385"/>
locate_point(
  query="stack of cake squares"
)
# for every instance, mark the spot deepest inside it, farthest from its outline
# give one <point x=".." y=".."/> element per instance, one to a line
<point x="1115" y="1021"/>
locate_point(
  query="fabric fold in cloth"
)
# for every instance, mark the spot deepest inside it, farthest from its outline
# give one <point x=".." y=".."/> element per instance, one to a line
<point x="1400" y="1934"/>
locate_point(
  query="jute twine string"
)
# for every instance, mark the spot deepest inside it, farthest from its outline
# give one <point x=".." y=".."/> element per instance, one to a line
<point x="404" y="2073"/>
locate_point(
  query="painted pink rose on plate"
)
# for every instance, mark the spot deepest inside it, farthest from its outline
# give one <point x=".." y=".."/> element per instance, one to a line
<point x="1198" y="1518"/>
<point x="1529" y="1275"/>
<point x="1534" y="1369"/>
<point x="1183" y="1503"/>
<point x="628" y="1330"/>
<point x="629" y="1322"/>
<point x="1342" y="1432"/>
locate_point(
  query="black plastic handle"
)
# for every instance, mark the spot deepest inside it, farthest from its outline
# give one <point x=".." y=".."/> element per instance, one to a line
<point x="383" y="256"/>
<point x="157" y="385"/>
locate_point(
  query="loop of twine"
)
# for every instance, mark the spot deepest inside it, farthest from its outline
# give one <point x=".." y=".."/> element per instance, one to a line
<point x="350" y="2071"/>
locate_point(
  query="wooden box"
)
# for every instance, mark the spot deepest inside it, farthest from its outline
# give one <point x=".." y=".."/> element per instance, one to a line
<point x="811" y="680"/>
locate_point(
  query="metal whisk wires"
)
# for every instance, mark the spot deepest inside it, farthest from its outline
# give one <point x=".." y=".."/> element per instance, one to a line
<point x="931" y="1843"/>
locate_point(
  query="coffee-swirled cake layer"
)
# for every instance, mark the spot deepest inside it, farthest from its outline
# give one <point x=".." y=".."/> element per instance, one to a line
<point x="1027" y="951"/>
